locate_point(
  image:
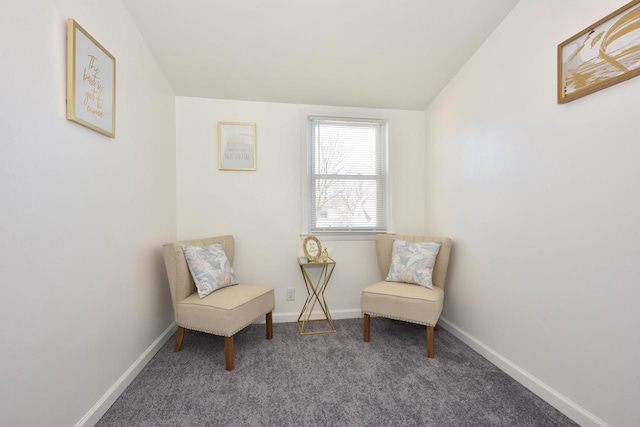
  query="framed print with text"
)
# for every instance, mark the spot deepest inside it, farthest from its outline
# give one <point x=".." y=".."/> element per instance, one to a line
<point x="312" y="248"/>
<point x="237" y="146"/>
<point x="91" y="82"/>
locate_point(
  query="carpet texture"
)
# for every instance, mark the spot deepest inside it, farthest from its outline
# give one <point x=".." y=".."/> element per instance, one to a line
<point x="327" y="380"/>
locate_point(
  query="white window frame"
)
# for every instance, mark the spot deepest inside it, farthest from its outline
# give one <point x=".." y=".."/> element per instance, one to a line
<point x="306" y="214"/>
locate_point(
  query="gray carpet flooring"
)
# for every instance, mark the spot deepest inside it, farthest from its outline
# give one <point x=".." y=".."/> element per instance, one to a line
<point x="327" y="380"/>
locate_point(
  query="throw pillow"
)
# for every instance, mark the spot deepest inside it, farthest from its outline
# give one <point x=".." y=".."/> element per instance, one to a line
<point x="413" y="262"/>
<point x="209" y="268"/>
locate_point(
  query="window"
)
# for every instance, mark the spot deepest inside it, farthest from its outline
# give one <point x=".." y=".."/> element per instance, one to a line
<point x="347" y="175"/>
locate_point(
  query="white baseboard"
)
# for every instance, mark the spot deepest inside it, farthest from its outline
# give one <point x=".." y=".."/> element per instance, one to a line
<point x="335" y="315"/>
<point x="107" y="399"/>
<point x="559" y="401"/>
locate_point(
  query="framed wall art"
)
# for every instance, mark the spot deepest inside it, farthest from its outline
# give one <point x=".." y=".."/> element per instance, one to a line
<point x="91" y="81"/>
<point x="237" y="146"/>
<point x="601" y="55"/>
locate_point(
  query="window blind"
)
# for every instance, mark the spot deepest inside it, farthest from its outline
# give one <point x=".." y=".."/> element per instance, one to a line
<point x="347" y="185"/>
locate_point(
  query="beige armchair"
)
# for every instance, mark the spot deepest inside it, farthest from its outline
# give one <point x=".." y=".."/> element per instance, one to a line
<point x="225" y="311"/>
<point x="402" y="301"/>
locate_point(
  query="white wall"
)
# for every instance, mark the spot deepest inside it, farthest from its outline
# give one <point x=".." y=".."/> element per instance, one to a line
<point x="542" y="202"/>
<point x="263" y="209"/>
<point x="82" y="216"/>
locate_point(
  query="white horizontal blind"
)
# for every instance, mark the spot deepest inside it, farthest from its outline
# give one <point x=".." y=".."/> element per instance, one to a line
<point x="347" y="175"/>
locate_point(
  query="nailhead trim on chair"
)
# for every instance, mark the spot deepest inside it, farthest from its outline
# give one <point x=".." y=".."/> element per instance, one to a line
<point x="224" y="335"/>
<point x="396" y="318"/>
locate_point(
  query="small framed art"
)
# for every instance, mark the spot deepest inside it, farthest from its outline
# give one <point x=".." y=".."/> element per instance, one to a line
<point x="312" y="248"/>
<point x="91" y="81"/>
<point x="237" y="146"/>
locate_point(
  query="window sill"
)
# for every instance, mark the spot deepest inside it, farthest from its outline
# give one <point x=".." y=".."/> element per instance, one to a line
<point x="345" y="235"/>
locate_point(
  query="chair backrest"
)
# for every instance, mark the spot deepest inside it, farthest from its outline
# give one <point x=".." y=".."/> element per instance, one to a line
<point x="384" y="249"/>
<point x="180" y="281"/>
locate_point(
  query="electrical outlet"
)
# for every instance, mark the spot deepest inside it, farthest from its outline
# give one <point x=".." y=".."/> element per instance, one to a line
<point x="291" y="294"/>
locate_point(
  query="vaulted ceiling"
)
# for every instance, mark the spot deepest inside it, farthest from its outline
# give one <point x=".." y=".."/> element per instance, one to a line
<point x="394" y="54"/>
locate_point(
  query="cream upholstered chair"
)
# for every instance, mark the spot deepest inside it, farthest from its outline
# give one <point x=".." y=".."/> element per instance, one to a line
<point x="403" y="301"/>
<point x="223" y="312"/>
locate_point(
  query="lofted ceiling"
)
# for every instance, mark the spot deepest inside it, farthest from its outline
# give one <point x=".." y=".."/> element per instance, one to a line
<point x="394" y="54"/>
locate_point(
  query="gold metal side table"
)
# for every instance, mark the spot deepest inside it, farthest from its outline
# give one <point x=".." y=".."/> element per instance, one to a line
<point x="315" y="295"/>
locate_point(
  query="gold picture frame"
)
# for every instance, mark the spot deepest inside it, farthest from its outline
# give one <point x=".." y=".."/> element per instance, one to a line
<point x="601" y="55"/>
<point x="91" y="82"/>
<point x="236" y="146"/>
<point x="312" y="248"/>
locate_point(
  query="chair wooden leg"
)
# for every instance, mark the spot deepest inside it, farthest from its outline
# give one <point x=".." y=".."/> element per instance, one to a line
<point x="367" y="327"/>
<point x="430" y="342"/>
<point x="179" y="337"/>
<point x="269" y="320"/>
<point x="228" y="353"/>
<point x="437" y="327"/>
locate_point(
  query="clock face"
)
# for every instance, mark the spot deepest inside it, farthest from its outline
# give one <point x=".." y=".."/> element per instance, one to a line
<point x="312" y="248"/>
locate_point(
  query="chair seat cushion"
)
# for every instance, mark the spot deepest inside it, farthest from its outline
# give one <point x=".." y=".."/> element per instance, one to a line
<point x="225" y="311"/>
<point x="403" y="301"/>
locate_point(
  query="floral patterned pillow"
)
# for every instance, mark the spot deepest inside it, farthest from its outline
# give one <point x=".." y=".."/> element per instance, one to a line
<point x="209" y="268"/>
<point x="413" y="262"/>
